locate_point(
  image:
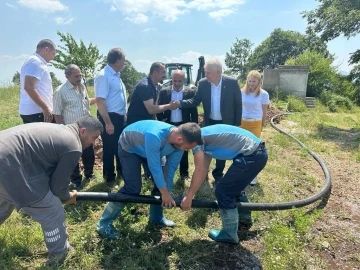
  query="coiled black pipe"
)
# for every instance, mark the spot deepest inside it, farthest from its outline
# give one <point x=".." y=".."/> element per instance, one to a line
<point x="117" y="197"/>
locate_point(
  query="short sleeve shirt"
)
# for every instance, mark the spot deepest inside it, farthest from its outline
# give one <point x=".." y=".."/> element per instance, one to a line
<point x="35" y="66"/>
<point x="109" y="86"/>
<point x="252" y="105"/>
<point x="143" y="91"/>
<point x="70" y="103"/>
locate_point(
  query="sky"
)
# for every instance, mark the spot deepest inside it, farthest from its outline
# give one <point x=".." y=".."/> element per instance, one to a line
<point x="151" y="30"/>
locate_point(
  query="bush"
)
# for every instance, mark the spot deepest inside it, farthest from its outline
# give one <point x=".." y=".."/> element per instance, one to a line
<point x="335" y="102"/>
<point x="296" y="104"/>
<point x="321" y="71"/>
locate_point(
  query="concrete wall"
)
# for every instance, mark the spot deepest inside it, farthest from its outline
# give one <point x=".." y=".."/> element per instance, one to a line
<point x="290" y="79"/>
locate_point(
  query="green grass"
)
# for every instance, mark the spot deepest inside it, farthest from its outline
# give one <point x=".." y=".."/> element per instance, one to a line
<point x="278" y="239"/>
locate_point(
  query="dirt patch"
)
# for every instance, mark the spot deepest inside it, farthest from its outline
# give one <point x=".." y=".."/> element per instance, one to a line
<point x="98" y="153"/>
<point x="339" y="227"/>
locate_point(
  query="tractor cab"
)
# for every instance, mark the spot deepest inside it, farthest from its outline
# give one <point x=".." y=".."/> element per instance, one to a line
<point x="186" y="68"/>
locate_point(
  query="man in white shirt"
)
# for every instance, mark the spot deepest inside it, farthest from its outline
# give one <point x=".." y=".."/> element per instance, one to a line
<point x="178" y="116"/>
<point x="71" y="102"/>
<point x="36" y="93"/>
<point x="110" y="95"/>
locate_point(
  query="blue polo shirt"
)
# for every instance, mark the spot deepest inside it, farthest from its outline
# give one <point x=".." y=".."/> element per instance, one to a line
<point x="225" y="142"/>
<point x="149" y="139"/>
<point x="109" y="86"/>
<point x="144" y="90"/>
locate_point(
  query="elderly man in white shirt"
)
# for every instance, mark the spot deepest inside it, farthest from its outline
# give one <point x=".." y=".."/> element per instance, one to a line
<point x="110" y="95"/>
<point x="177" y="117"/>
<point x="36" y="93"/>
<point x="71" y="102"/>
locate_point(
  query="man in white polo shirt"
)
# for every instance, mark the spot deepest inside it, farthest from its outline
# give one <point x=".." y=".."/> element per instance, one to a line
<point x="110" y="95"/>
<point x="71" y="102"/>
<point x="36" y="93"/>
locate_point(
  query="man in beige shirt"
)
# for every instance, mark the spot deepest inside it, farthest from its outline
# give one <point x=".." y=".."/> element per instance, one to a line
<point x="71" y="102"/>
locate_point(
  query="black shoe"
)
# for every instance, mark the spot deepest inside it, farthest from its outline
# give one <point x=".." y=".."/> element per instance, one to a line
<point x="184" y="176"/>
<point x="111" y="183"/>
<point x="77" y="185"/>
<point x="91" y="178"/>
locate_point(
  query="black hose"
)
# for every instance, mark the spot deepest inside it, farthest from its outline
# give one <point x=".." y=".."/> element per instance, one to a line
<point x="117" y="197"/>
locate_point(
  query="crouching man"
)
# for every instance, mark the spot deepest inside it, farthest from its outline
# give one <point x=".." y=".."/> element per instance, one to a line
<point x="36" y="162"/>
<point x="225" y="142"/>
<point x="149" y="141"/>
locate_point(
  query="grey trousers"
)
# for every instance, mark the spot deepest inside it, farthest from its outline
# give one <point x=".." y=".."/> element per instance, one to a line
<point x="49" y="212"/>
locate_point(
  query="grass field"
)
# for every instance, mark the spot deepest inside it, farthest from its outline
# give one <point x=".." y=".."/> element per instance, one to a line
<point x="325" y="235"/>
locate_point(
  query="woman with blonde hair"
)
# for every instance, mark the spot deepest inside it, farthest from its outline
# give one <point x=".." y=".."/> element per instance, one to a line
<point x="255" y="102"/>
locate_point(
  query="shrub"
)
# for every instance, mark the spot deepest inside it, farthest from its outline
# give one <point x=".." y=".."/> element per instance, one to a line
<point x="296" y="104"/>
<point x="335" y="102"/>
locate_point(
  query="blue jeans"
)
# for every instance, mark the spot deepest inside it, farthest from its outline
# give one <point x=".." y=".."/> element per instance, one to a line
<point x="241" y="172"/>
<point x="131" y="169"/>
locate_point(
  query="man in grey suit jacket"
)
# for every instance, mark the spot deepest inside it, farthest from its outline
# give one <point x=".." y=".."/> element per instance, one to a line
<point x="221" y="99"/>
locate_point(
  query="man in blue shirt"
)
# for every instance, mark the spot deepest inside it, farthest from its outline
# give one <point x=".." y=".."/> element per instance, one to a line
<point x="149" y="141"/>
<point x="225" y="142"/>
<point x="110" y="95"/>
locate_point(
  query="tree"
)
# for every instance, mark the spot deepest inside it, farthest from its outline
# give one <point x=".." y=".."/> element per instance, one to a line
<point x="321" y="72"/>
<point x="16" y="78"/>
<point x="86" y="58"/>
<point x="55" y="81"/>
<point x="130" y="76"/>
<point x="238" y="58"/>
<point x="282" y="45"/>
<point x="323" y="76"/>
<point x="333" y="18"/>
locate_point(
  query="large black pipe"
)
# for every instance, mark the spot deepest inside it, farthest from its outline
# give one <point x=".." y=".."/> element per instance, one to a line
<point x="116" y="197"/>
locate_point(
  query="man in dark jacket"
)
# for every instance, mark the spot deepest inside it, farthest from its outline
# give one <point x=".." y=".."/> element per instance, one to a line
<point x="178" y="116"/>
<point x="221" y="98"/>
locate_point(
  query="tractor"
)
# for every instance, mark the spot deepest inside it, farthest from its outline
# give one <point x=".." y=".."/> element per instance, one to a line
<point x="187" y="69"/>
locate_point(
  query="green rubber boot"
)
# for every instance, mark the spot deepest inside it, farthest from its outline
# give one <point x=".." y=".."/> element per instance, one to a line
<point x="245" y="220"/>
<point x="228" y="233"/>
<point x="105" y="227"/>
<point x="157" y="217"/>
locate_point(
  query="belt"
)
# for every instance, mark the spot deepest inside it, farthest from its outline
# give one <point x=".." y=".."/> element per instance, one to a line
<point x="261" y="146"/>
<point x="176" y="123"/>
<point x="250" y="119"/>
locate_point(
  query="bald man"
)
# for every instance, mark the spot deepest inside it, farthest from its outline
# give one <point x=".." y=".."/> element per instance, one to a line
<point x="177" y="117"/>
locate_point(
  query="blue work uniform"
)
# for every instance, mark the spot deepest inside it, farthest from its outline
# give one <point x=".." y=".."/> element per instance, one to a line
<point x="226" y="142"/>
<point x="147" y="139"/>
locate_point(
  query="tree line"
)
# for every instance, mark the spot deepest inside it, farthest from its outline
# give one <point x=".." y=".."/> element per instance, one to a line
<point x="88" y="59"/>
<point x="329" y="20"/>
<point x="332" y="18"/>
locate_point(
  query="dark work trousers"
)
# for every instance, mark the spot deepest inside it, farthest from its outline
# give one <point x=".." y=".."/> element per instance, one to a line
<point x="184" y="163"/>
<point x="110" y="146"/>
<point x="240" y="174"/>
<point x="88" y="160"/>
<point x="33" y="118"/>
<point x="131" y="164"/>
<point x="218" y="172"/>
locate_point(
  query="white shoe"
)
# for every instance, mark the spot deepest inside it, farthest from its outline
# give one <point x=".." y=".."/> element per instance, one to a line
<point x="254" y="181"/>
